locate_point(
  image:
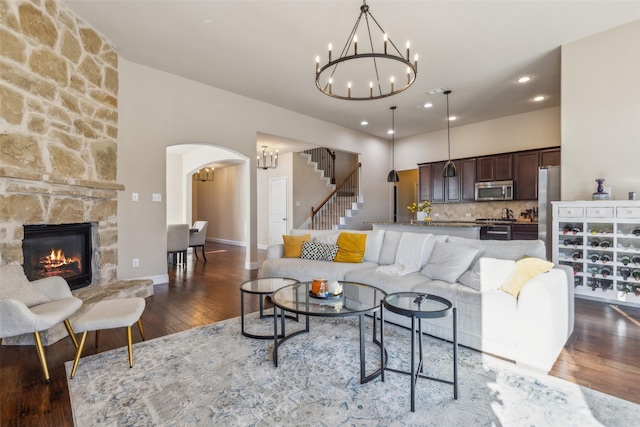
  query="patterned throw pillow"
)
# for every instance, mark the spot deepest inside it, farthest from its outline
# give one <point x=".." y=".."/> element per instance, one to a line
<point x="318" y="251"/>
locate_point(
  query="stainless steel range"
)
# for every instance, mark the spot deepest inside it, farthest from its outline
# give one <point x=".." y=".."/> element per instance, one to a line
<point x="495" y="228"/>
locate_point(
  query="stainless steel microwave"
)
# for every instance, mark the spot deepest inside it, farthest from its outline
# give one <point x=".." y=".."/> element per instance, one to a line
<point x="494" y="190"/>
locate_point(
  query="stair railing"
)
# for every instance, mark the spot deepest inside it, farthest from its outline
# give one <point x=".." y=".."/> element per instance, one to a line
<point x="326" y="160"/>
<point x="333" y="207"/>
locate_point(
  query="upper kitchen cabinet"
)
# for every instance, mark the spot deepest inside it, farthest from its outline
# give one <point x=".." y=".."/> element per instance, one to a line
<point x="495" y="168"/>
<point x="433" y="186"/>
<point x="526" y="174"/>
<point x="550" y="157"/>
<point x="467" y="168"/>
<point x="425" y="181"/>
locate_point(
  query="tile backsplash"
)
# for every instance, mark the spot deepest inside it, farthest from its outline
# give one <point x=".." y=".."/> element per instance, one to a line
<point x="459" y="211"/>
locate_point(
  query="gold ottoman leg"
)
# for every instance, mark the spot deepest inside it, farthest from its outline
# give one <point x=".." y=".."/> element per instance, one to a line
<point x="78" y="354"/>
<point x="129" y="346"/>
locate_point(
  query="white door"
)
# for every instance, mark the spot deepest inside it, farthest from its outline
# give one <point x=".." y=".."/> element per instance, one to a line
<point x="277" y="209"/>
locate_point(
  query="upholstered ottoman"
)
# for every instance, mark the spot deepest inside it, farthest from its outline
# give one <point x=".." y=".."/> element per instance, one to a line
<point x="109" y="314"/>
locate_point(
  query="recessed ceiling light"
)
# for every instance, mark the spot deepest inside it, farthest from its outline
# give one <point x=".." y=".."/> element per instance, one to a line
<point x="428" y="105"/>
<point x="390" y="132"/>
<point x="452" y="118"/>
<point x="436" y="91"/>
<point x="364" y="123"/>
<point x="539" y="98"/>
<point x="523" y="79"/>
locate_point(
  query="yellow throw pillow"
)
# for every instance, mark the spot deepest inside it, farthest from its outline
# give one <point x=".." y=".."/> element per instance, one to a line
<point x="293" y="245"/>
<point x="526" y="269"/>
<point x="351" y="247"/>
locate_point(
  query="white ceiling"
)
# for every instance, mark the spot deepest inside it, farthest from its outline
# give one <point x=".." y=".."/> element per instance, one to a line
<point x="266" y="50"/>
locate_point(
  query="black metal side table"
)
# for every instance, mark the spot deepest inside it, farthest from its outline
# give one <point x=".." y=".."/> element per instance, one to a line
<point x="420" y="306"/>
<point x="263" y="287"/>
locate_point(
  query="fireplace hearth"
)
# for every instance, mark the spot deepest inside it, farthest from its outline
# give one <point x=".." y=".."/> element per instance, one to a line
<point x="63" y="250"/>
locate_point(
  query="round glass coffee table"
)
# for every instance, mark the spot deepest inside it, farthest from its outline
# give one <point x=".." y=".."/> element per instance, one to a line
<point x="420" y="306"/>
<point x="357" y="299"/>
<point x="262" y="287"/>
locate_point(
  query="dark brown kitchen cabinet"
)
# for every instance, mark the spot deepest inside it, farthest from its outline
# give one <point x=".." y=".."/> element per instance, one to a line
<point x="494" y="168"/>
<point x="467" y="170"/>
<point x="526" y="174"/>
<point x="425" y="181"/>
<point x="524" y="232"/>
<point x="437" y="182"/>
<point x="550" y="157"/>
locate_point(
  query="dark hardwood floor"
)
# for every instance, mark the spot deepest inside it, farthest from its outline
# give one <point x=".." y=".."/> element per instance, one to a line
<point x="602" y="354"/>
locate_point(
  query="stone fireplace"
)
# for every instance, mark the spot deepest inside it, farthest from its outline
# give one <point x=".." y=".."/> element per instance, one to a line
<point x="59" y="128"/>
<point x="63" y="250"/>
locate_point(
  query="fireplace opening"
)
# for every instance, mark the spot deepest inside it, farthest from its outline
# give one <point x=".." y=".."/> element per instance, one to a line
<point x="63" y="250"/>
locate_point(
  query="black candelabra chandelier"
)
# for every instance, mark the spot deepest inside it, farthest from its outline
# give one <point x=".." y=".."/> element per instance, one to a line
<point x="369" y="66"/>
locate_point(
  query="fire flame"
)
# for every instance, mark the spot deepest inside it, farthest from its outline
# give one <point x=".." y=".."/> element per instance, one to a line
<point x="57" y="259"/>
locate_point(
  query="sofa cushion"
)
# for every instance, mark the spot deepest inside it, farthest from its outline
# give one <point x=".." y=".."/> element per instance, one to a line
<point x="487" y="274"/>
<point x="386" y="282"/>
<point x="318" y="251"/>
<point x="526" y="269"/>
<point x="509" y="249"/>
<point x="307" y="270"/>
<point x="15" y="285"/>
<point x="374" y="242"/>
<point x="293" y="245"/>
<point x="351" y="247"/>
<point x="448" y="261"/>
<point x="389" y="247"/>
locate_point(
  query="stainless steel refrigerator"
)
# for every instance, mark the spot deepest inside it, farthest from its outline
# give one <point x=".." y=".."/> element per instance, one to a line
<point x="548" y="191"/>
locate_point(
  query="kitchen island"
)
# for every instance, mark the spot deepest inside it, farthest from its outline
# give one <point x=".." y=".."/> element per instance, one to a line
<point x="468" y="229"/>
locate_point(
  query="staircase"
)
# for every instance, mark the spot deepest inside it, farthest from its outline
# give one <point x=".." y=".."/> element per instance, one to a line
<point x="340" y="206"/>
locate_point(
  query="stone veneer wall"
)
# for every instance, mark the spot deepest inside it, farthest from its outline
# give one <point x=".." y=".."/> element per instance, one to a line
<point x="58" y="128"/>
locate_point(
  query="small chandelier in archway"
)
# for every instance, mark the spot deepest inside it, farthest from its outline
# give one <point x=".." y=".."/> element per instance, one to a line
<point x="204" y="175"/>
<point x="273" y="161"/>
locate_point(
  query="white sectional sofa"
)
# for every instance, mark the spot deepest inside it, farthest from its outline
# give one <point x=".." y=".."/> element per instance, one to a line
<point x="530" y="329"/>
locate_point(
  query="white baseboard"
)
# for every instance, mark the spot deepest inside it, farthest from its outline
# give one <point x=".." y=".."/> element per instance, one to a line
<point x="226" y="242"/>
<point x="160" y="279"/>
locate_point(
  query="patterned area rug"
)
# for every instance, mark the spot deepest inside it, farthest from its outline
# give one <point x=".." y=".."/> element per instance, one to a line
<point x="215" y="376"/>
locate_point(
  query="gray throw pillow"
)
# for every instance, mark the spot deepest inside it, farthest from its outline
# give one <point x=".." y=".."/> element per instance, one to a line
<point x="448" y="261"/>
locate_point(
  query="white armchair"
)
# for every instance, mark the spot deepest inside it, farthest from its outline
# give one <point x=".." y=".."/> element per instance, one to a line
<point x="32" y="307"/>
<point x="198" y="236"/>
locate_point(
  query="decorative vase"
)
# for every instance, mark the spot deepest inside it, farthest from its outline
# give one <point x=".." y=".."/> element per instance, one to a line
<point x="420" y="216"/>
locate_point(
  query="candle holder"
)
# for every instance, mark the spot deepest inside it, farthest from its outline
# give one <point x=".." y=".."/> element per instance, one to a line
<point x="600" y="194"/>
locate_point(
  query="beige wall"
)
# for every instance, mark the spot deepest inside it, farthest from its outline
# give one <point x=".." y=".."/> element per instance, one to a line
<point x="537" y="129"/>
<point x="158" y="109"/>
<point x="601" y="113"/>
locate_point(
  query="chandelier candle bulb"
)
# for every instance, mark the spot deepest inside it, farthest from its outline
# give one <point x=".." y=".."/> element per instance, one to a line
<point x="355" y="45"/>
<point x="408" y="46"/>
<point x="415" y="61"/>
<point x="371" y="89"/>
<point x="349" y="89"/>
<point x="392" y="80"/>
<point x="330" y="49"/>
<point x="317" y="64"/>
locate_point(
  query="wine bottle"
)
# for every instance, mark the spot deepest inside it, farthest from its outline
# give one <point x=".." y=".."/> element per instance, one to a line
<point x="594" y="271"/>
<point x="605" y="285"/>
<point x="577" y="268"/>
<point x="576" y="255"/>
<point x="567" y="228"/>
<point x="625" y="260"/>
<point x="594" y="257"/>
<point x="605" y="258"/>
<point x="636" y="273"/>
<point x="577" y="281"/>
<point x="625" y="272"/>
<point x="595" y="230"/>
<point x="594" y="243"/>
<point x="636" y="260"/>
<point x="636" y="232"/>
<point x="605" y="271"/>
<point x="569" y="242"/>
<point x="576" y="229"/>
<point x="593" y="284"/>
<point x="604" y="244"/>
